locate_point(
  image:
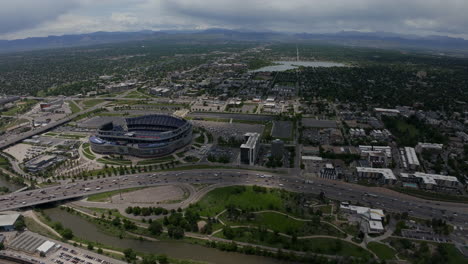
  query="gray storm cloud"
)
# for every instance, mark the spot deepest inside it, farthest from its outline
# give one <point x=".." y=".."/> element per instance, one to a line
<point x="41" y="17"/>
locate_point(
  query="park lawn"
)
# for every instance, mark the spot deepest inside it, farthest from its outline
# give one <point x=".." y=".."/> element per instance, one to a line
<point x="20" y="107"/>
<point x="454" y="255"/>
<point x="267" y="130"/>
<point x="4" y="163"/>
<point x="156" y="160"/>
<point x="114" y="162"/>
<point x="332" y="246"/>
<point x="383" y="251"/>
<point x="102" y="197"/>
<point x="73" y="107"/>
<point x="240" y="197"/>
<point x="92" y="102"/>
<point x="87" y="152"/>
<point x="273" y="221"/>
<point x="136" y="94"/>
<point x="403" y="126"/>
<point x="35" y="227"/>
<point x="328" y="246"/>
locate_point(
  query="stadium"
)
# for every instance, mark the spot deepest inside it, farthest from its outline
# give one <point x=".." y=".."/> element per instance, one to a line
<point x="145" y="136"/>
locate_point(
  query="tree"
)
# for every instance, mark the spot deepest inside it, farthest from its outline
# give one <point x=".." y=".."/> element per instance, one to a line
<point x="176" y="232"/>
<point x="129" y="254"/>
<point x="67" y="233"/>
<point x="228" y="232"/>
<point x="162" y="259"/>
<point x="155" y="228"/>
<point x="19" y="224"/>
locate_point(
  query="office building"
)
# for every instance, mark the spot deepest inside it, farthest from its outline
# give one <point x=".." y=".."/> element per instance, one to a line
<point x="249" y="150"/>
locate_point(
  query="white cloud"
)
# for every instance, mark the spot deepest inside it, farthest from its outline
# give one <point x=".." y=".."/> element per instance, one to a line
<point x="23" y="18"/>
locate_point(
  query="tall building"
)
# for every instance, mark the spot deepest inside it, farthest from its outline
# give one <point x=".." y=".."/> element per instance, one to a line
<point x="277" y="148"/>
<point x="249" y="150"/>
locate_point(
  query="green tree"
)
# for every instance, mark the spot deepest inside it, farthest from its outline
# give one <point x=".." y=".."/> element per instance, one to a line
<point x="155" y="228"/>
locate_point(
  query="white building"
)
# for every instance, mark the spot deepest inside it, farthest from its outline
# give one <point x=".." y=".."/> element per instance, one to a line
<point x="432" y="147"/>
<point x="431" y="181"/>
<point x="46" y="247"/>
<point x="380" y="175"/>
<point x="7" y="221"/>
<point x="384" y="149"/>
<point x="371" y="218"/>
<point x="411" y="158"/>
<point x="387" y="112"/>
<point x="249" y="150"/>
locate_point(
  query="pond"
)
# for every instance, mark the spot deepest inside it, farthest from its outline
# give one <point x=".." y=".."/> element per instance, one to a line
<point x="289" y="65"/>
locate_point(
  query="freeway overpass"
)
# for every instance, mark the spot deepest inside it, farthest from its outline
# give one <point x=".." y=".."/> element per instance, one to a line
<point x="454" y="213"/>
<point x="50" y="126"/>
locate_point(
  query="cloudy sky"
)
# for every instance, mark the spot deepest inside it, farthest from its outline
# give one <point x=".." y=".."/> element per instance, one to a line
<point x="28" y="18"/>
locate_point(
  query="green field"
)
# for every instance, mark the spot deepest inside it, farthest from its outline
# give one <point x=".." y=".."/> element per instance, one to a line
<point x="284" y="224"/>
<point x="102" y="197"/>
<point x="92" y="102"/>
<point x="156" y="160"/>
<point x="20" y="107"/>
<point x="241" y="197"/>
<point x="114" y="161"/>
<point x="329" y="246"/>
<point x="73" y="107"/>
<point x="384" y="252"/>
<point x="87" y="152"/>
<point x="4" y="163"/>
<point x="136" y="94"/>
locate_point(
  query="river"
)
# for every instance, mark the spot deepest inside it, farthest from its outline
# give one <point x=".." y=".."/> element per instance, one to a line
<point x="289" y="65"/>
<point x="174" y="249"/>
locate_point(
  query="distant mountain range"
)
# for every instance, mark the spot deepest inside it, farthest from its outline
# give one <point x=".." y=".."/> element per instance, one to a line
<point x="356" y="38"/>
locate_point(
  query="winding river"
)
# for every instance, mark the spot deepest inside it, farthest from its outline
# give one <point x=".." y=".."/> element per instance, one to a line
<point x="174" y="249"/>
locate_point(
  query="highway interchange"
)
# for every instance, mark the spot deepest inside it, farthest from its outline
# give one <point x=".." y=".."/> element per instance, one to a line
<point x="376" y="197"/>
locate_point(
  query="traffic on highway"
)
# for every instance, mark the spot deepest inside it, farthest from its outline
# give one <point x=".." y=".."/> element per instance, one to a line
<point x="369" y="196"/>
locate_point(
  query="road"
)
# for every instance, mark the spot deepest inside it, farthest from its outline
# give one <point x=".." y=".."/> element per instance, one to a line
<point x="376" y="197"/>
<point x="11" y="141"/>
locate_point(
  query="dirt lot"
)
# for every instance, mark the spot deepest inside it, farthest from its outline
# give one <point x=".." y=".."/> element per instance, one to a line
<point x="154" y="195"/>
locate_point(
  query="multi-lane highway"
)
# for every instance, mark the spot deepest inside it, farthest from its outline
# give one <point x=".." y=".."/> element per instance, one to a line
<point x="11" y="141"/>
<point x="371" y="196"/>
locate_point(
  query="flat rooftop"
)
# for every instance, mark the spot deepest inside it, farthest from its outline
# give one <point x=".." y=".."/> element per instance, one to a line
<point x="386" y="173"/>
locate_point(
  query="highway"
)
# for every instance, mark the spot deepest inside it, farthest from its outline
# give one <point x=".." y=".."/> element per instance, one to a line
<point x="375" y="197"/>
<point x="11" y="141"/>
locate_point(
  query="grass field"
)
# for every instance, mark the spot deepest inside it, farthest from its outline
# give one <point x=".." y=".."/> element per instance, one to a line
<point x="136" y="94"/>
<point x="156" y="160"/>
<point x="329" y="246"/>
<point x="384" y="252"/>
<point x="102" y="197"/>
<point x="87" y="152"/>
<point x="114" y="161"/>
<point x="20" y="107"/>
<point x="284" y="224"/>
<point x="216" y="201"/>
<point x="267" y="131"/>
<point x="4" y="163"/>
<point x="33" y="226"/>
<point x="73" y="107"/>
<point x="92" y="102"/>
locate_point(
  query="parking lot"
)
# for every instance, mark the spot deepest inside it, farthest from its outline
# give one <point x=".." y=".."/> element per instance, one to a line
<point x="282" y="129"/>
<point x="228" y="130"/>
